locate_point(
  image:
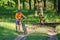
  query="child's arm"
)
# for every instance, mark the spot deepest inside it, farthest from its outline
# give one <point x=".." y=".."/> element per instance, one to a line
<point x="24" y="16"/>
<point x="16" y="16"/>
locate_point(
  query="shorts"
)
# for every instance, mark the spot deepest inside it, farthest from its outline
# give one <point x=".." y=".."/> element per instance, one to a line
<point x="17" y="22"/>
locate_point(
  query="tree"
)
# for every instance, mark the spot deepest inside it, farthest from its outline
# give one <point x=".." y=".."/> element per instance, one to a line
<point x="18" y="4"/>
<point x="34" y="4"/>
<point x="54" y="4"/>
<point x="23" y="4"/>
<point x="42" y="20"/>
<point x="29" y="4"/>
<point x="58" y="6"/>
<point x="44" y="3"/>
<point x="35" y="7"/>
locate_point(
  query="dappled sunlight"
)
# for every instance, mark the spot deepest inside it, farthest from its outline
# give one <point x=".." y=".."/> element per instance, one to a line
<point x="38" y="34"/>
<point x="31" y="19"/>
<point x="58" y="29"/>
<point x="31" y="15"/>
<point x="51" y="16"/>
<point x="41" y="29"/>
<point x="8" y="25"/>
<point x="41" y="34"/>
<point x="8" y="20"/>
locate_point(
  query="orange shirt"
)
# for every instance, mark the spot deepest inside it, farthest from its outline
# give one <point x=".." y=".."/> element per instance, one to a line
<point x="19" y="15"/>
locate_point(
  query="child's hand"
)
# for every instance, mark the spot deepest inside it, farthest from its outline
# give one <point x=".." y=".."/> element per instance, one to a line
<point x="24" y="16"/>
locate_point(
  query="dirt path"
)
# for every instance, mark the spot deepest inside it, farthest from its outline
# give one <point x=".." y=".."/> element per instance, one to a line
<point x="30" y="29"/>
<point x="51" y="33"/>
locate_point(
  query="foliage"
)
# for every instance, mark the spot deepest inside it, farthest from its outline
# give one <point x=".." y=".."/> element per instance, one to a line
<point x="7" y="16"/>
<point x="5" y="3"/>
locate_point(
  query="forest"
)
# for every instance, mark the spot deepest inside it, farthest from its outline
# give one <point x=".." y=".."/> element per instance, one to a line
<point x="36" y="11"/>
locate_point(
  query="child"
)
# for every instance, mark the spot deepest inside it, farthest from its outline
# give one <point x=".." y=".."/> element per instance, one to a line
<point x="19" y="16"/>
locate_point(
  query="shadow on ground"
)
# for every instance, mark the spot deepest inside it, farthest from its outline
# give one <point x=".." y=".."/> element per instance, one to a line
<point x="37" y="36"/>
<point x="58" y="35"/>
<point x="7" y="34"/>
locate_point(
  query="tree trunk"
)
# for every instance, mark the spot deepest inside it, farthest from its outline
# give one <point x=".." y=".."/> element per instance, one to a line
<point x="42" y="20"/>
<point x="18" y="4"/>
<point x="34" y="4"/>
<point x="44" y="4"/>
<point x="29" y="4"/>
<point x="35" y="7"/>
<point x="54" y="4"/>
<point x="58" y="6"/>
<point x="23" y="4"/>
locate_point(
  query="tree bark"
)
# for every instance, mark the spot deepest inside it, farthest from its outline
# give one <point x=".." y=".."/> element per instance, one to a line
<point x="35" y="4"/>
<point x="44" y="4"/>
<point x="23" y="4"/>
<point x="59" y="6"/>
<point x="18" y="4"/>
<point x="29" y="4"/>
<point x="54" y="4"/>
<point x="42" y="20"/>
<point x="35" y="7"/>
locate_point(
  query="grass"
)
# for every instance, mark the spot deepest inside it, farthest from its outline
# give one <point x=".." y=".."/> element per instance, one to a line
<point x="37" y="36"/>
<point x="7" y="23"/>
<point x="7" y="31"/>
<point x="58" y="31"/>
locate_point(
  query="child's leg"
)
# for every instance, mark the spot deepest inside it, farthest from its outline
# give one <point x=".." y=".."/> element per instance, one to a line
<point x="18" y="26"/>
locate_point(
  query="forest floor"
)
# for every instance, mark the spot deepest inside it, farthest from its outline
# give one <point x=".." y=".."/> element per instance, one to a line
<point x="51" y="35"/>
